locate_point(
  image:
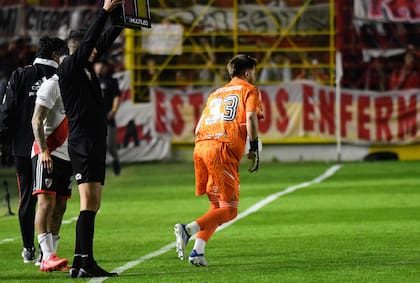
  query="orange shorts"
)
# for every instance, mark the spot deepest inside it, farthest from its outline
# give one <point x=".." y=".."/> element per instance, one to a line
<point x="216" y="170"/>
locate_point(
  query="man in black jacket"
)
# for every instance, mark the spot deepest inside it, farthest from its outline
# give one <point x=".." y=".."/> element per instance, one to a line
<point x="16" y="115"/>
<point x="84" y="105"/>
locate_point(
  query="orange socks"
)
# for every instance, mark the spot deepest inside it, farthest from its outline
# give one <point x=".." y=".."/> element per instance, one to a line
<point x="213" y="218"/>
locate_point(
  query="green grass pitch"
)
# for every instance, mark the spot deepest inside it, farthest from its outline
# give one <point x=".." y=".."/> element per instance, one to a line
<point x="362" y="224"/>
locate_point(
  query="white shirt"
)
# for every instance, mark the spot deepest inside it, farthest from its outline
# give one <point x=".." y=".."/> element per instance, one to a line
<point x="56" y="123"/>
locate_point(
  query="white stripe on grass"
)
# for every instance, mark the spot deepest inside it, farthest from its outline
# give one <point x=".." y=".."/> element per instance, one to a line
<point x="68" y="221"/>
<point x="8" y="240"/>
<point x="331" y="171"/>
<point x="273" y="197"/>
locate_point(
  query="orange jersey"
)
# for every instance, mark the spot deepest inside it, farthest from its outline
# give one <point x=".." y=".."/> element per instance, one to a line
<point x="224" y="116"/>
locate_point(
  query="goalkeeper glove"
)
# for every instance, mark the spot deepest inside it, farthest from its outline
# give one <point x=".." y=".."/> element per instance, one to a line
<point x="254" y="156"/>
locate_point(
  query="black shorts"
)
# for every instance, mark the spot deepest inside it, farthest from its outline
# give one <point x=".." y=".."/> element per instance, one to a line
<point x="57" y="182"/>
<point x="88" y="159"/>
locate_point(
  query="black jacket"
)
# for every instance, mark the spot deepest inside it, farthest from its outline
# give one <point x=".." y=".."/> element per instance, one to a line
<point x="79" y="85"/>
<point x="19" y="101"/>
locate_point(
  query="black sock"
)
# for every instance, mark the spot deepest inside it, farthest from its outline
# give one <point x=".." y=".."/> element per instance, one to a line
<point x="77" y="258"/>
<point x="77" y="261"/>
<point x="85" y="230"/>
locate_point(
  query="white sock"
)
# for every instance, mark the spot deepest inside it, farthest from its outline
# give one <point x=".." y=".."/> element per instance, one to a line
<point x="46" y="242"/>
<point x="199" y="246"/>
<point x="55" y="239"/>
<point x="192" y="228"/>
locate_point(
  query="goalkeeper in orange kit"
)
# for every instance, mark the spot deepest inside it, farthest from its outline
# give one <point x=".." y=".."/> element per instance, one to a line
<point x="230" y="117"/>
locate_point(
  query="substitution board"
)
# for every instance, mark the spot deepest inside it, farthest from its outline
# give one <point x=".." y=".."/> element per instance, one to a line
<point x="134" y="14"/>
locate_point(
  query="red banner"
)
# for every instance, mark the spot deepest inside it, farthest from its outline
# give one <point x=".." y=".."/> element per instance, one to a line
<point x="135" y="139"/>
<point x="392" y="10"/>
<point x="303" y="110"/>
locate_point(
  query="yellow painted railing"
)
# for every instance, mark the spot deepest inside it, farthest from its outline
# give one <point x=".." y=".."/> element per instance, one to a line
<point x="310" y="52"/>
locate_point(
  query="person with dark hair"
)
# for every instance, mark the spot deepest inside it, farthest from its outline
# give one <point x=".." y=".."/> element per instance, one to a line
<point x="52" y="172"/>
<point x="111" y="93"/>
<point x="230" y="116"/>
<point x="375" y="77"/>
<point x="16" y="115"/>
<point x="85" y="109"/>
<point x="273" y="73"/>
<point x="407" y="76"/>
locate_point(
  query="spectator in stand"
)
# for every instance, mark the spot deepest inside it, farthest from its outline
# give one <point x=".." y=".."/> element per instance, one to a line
<point x="12" y="55"/>
<point x="272" y="72"/>
<point x="204" y="51"/>
<point x="353" y="67"/>
<point x="183" y="82"/>
<point x="151" y="71"/>
<point x="375" y="76"/>
<point x="4" y="72"/>
<point x="111" y="94"/>
<point x="313" y="72"/>
<point x="221" y="77"/>
<point x="407" y="77"/>
<point x="15" y="54"/>
<point x="5" y="149"/>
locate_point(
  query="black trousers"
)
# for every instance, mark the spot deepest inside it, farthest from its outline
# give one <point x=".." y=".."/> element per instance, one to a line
<point x="27" y="202"/>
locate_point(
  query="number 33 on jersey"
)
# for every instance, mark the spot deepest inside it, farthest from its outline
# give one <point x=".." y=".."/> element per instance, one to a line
<point x="224" y="116"/>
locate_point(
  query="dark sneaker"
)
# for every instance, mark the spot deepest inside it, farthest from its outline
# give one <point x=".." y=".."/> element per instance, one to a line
<point x="182" y="238"/>
<point x="94" y="271"/>
<point x="73" y="272"/>
<point x="28" y="255"/>
<point x="75" y="267"/>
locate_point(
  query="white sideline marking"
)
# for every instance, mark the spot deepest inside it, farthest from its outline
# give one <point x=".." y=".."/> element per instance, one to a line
<point x="286" y="191"/>
<point x="241" y="215"/>
<point x="7" y="240"/>
<point x="68" y="221"/>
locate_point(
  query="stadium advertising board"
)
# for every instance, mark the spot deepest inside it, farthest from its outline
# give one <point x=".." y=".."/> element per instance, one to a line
<point x="303" y="109"/>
